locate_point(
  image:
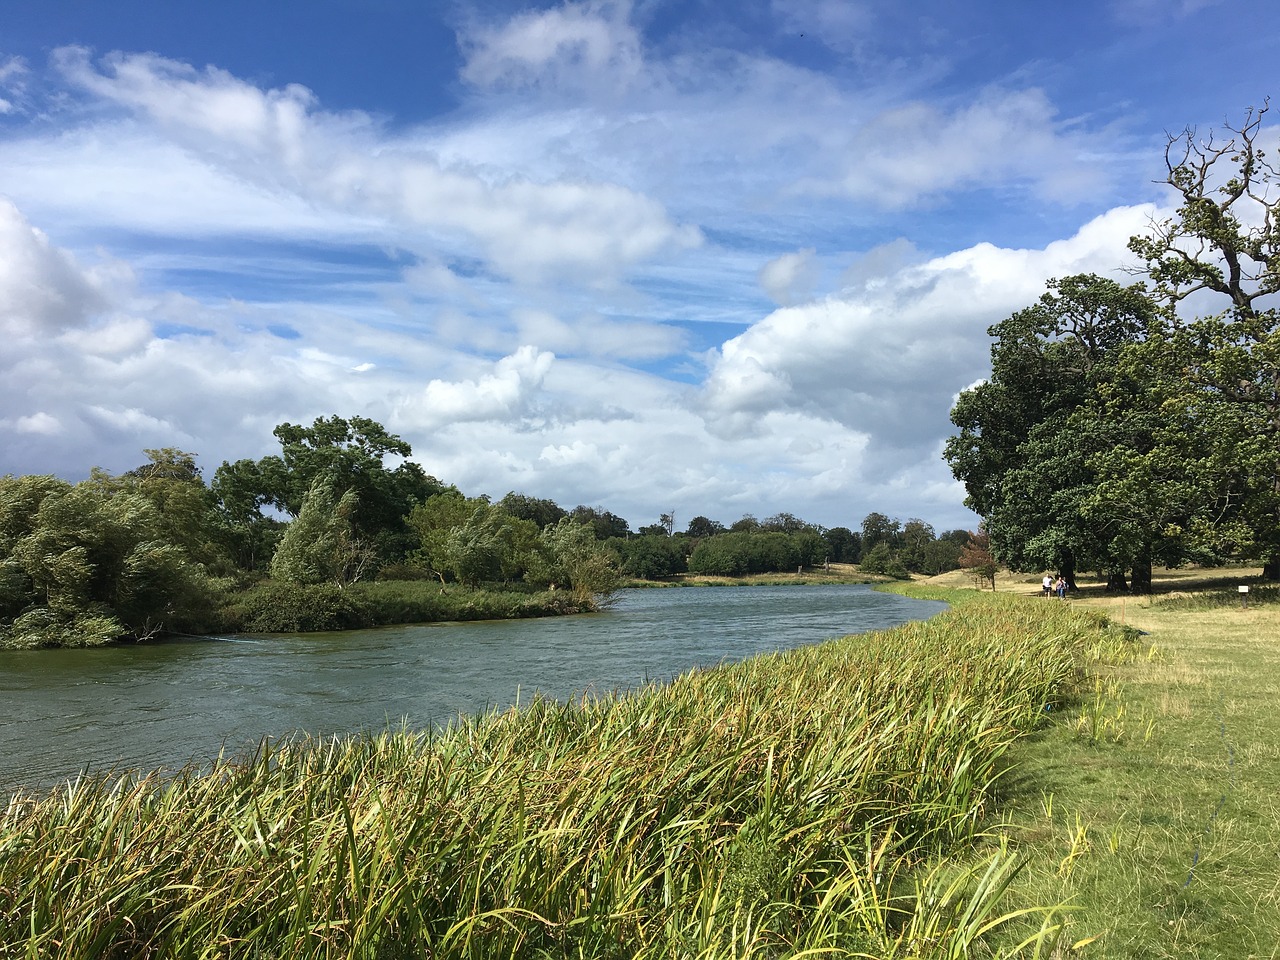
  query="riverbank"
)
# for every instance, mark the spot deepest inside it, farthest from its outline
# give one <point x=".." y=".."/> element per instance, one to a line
<point x="1151" y="806"/>
<point x="842" y="573"/>
<point x="809" y="800"/>
<point x="272" y="607"/>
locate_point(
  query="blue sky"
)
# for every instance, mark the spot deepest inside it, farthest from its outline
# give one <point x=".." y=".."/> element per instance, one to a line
<point x="704" y="257"/>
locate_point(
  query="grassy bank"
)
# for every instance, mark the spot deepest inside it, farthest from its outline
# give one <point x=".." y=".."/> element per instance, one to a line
<point x="1151" y="808"/>
<point x="275" y="607"/>
<point x="824" y="802"/>
<point x="837" y="573"/>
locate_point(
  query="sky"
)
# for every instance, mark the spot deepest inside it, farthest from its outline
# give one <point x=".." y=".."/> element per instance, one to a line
<point x="698" y="257"/>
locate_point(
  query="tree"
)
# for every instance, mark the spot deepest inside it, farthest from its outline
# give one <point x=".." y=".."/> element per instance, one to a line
<point x="603" y="524"/>
<point x="668" y="522"/>
<point x="700" y="527"/>
<point x="572" y="556"/>
<point x="1224" y="242"/>
<point x="651" y="556"/>
<point x="880" y="560"/>
<point x="877" y="529"/>
<point x="784" y="523"/>
<point x="172" y="481"/>
<point x="917" y="536"/>
<point x="844" y="545"/>
<point x="540" y="512"/>
<point x="322" y="545"/>
<point x="433" y="522"/>
<point x="350" y="454"/>
<point x="88" y="564"/>
<point x="976" y="557"/>
<point x="1029" y="437"/>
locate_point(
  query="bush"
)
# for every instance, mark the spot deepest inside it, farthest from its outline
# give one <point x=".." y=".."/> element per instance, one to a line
<point x="396" y="602"/>
<point x="651" y="557"/>
<point x="274" y="607"/>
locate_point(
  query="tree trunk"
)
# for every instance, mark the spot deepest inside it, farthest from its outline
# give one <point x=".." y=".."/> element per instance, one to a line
<point x="1271" y="569"/>
<point x="1069" y="569"/>
<point x="1116" y="581"/>
<point x="1142" y="577"/>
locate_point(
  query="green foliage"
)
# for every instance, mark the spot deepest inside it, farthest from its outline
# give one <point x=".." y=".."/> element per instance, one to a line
<point x="604" y="525"/>
<point x="322" y="544"/>
<point x="881" y="560"/>
<point x="877" y="529"/>
<point x="1115" y="431"/>
<point x="83" y="565"/>
<point x="738" y="553"/>
<point x="652" y="556"/>
<point x="275" y="607"/>
<point x="843" y="544"/>
<point x="472" y="541"/>
<point x="1028" y="434"/>
<point x="349" y="455"/>
<point x="700" y="527"/>
<point x="540" y="512"/>
<point x="571" y="556"/>
<point x="397" y="602"/>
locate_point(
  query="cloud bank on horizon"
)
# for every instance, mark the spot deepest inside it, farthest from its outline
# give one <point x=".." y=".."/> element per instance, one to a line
<point x="723" y="260"/>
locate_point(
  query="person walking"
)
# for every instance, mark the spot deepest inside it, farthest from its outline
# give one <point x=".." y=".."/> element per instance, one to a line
<point x="1047" y="585"/>
<point x="1062" y="587"/>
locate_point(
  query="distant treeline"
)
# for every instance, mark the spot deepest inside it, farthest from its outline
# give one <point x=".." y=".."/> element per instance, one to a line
<point x="785" y="542"/>
<point x="296" y="541"/>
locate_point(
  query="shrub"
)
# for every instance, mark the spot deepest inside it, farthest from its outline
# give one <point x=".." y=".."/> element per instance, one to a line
<point x="274" y="607"/>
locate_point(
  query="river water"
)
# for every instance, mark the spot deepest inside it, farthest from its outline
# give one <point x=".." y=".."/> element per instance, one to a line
<point x="163" y="704"/>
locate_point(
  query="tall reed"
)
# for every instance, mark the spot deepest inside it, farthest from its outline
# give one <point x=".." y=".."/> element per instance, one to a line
<point x="818" y="802"/>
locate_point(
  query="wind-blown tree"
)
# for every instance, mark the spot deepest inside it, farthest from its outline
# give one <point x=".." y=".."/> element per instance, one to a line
<point x="88" y="564"/>
<point x="572" y="556"/>
<point x="491" y="545"/>
<point x="471" y="540"/>
<point x="1028" y="436"/>
<point x="351" y="454"/>
<point x="322" y="544"/>
<point x="172" y="481"/>
<point x="1223" y="244"/>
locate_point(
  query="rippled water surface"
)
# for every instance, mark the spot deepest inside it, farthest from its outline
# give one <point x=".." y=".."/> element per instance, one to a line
<point x="163" y="704"/>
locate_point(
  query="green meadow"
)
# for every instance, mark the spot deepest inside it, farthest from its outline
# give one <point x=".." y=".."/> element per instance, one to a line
<point x="1151" y="809"/>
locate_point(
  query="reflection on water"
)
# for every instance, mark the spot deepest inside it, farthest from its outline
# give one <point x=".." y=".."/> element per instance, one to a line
<point x="146" y="706"/>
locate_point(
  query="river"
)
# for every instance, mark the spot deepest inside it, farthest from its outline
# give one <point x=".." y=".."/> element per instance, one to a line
<point x="162" y="704"/>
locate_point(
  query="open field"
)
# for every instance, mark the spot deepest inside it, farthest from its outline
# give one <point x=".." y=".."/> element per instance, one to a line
<point x="1153" y="807"/>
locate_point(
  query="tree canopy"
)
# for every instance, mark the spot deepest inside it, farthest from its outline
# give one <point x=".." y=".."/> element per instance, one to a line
<point x="1126" y="425"/>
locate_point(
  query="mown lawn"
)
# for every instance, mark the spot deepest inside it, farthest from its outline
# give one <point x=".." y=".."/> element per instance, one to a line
<point x="1153" y="808"/>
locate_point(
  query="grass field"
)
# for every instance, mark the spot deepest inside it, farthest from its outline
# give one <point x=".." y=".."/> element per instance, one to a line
<point x="1153" y="808"/>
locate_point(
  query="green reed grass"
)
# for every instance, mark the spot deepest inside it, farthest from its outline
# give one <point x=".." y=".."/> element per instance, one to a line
<point x="818" y="802"/>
